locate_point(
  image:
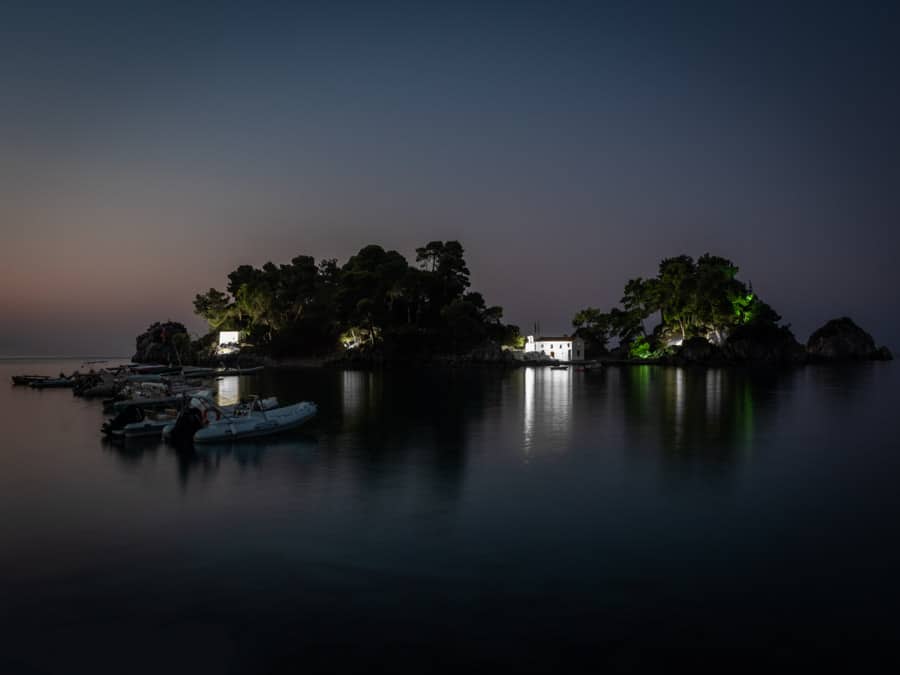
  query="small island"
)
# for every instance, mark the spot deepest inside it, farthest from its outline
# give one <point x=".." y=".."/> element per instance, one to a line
<point x="708" y="316"/>
<point x="377" y="308"/>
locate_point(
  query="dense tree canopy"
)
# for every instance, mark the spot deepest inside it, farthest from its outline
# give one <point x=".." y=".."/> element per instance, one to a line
<point x="693" y="298"/>
<point x="375" y="298"/>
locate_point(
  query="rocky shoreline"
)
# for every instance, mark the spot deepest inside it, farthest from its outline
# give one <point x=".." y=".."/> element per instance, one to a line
<point x="764" y="346"/>
<point x="838" y="341"/>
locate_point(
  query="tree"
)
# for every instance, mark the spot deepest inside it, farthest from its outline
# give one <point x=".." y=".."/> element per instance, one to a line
<point x="593" y="326"/>
<point x="452" y="270"/>
<point x="626" y="325"/>
<point x="244" y="274"/>
<point x="214" y="306"/>
<point x="464" y="324"/>
<point x="295" y="287"/>
<point x="371" y="282"/>
<point x="702" y="298"/>
<point x="641" y="297"/>
<point x="676" y="291"/>
<point x="716" y="287"/>
<point x="253" y="305"/>
<point x="512" y="337"/>
<point x="428" y="255"/>
<point x="376" y="295"/>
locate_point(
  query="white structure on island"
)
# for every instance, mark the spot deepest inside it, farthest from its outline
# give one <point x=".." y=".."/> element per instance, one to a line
<point x="229" y="342"/>
<point x="563" y="348"/>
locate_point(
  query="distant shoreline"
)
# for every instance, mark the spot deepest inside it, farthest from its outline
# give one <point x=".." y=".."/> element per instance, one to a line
<point x="63" y="358"/>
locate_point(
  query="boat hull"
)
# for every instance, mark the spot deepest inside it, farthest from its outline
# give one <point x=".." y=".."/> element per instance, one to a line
<point x="52" y="384"/>
<point x="257" y="425"/>
<point x="145" y="429"/>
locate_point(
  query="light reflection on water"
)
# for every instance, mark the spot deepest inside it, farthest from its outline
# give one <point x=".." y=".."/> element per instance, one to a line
<point x="229" y="390"/>
<point x="354" y="392"/>
<point x="548" y="409"/>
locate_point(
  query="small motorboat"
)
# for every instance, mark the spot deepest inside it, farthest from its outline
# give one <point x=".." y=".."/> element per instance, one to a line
<point x="159" y="402"/>
<point x="53" y="383"/>
<point x="559" y="367"/>
<point x="257" y="423"/>
<point x="132" y="415"/>
<point x="26" y="380"/>
<point x="102" y="384"/>
<point x="148" y="427"/>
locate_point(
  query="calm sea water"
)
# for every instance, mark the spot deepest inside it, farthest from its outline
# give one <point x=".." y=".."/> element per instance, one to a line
<point x="432" y="518"/>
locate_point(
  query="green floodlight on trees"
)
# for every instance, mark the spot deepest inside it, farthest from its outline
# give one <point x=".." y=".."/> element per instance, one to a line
<point x="743" y="307"/>
<point x="640" y="348"/>
<point x="692" y="298"/>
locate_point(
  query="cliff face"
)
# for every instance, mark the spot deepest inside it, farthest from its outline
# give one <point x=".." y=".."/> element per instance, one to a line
<point x="700" y="351"/>
<point x="761" y="344"/>
<point x="161" y="343"/>
<point x="764" y="343"/>
<point x="842" y="340"/>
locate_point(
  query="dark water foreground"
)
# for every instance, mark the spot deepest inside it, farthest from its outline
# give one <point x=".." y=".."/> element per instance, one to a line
<point x="449" y="519"/>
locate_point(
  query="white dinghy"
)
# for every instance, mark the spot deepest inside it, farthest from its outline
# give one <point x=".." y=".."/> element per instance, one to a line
<point x="257" y="423"/>
<point x="206" y="411"/>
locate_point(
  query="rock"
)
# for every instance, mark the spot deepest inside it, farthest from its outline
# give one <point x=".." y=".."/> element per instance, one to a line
<point x="842" y="340"/>
<point x="884" y="354"/>
<point x="158" y="343"/>
<point x="763" y="343"/>
<point x="698" y="350"/>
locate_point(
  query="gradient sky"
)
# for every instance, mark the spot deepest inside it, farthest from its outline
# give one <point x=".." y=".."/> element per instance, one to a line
<point x="145" y="151"/>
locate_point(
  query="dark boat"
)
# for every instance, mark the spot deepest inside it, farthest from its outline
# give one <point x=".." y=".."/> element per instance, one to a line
<point x="25" y="380"/>
<point x="53" y="383"/>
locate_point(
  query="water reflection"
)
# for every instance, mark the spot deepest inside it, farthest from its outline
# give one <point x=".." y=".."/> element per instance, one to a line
<point x="354" y="389"/>
<point x="132" y="451"/>
<point x="372" y="426"/>
<point x="679" y="403"/>
<point x="547" y="414"/>
<point x="696" y="415"/>
<point x="713" y="392"/>
<point x="253" y="452"/>
<point x="379" y="425"/>
<point x="229" y="390"/>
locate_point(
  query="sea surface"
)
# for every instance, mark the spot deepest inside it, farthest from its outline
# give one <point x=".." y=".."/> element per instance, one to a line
<point x="451" y="519"/>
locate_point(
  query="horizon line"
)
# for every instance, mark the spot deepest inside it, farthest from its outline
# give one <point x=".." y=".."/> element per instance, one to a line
<point x="19" y="357"/>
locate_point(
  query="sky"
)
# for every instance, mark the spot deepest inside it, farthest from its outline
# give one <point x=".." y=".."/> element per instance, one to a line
<point x="148" y="149"/>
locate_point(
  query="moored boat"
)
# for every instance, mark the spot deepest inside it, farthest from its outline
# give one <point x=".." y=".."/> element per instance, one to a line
<point x="25" y="380"/>
<point x="160" y="401"/>
<point x="202" y="411"/>
<point x="146" y="428"/>
<point x="53" y="383"/>
<point x="257" y="423"/>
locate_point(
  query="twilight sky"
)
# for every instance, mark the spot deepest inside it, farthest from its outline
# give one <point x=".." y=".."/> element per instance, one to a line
<point x="145" y="151"/>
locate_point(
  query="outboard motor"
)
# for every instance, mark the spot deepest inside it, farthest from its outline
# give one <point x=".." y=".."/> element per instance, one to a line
<point x="186" y="425"/>
<point x="131" y="414"/>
